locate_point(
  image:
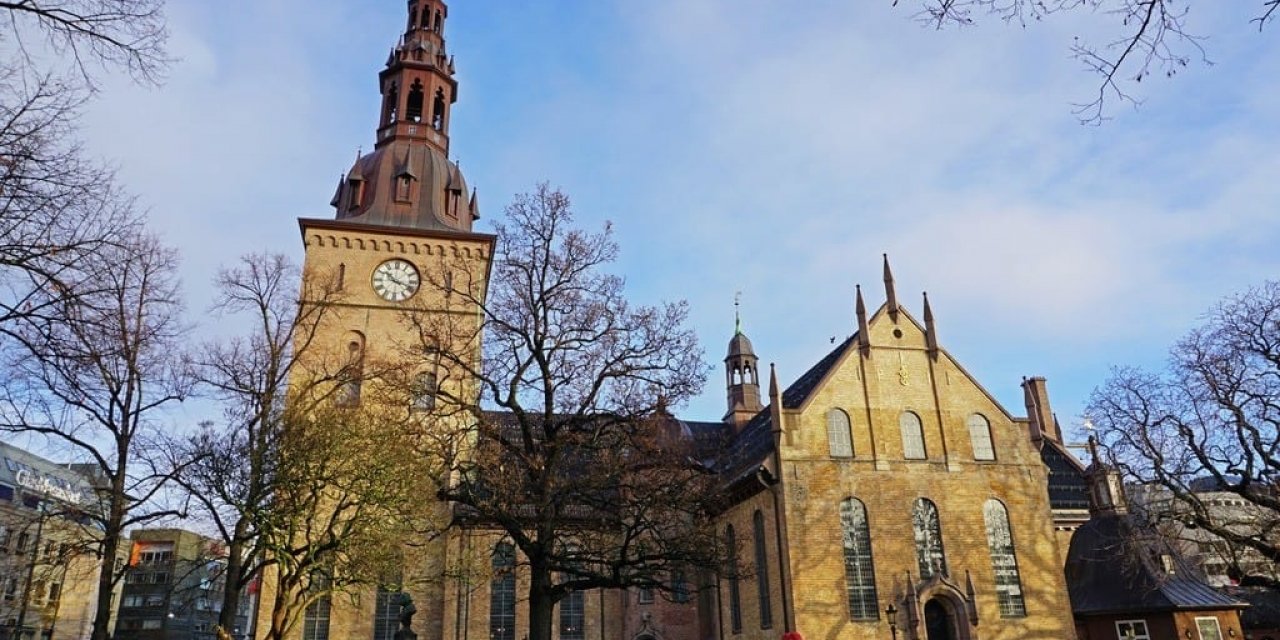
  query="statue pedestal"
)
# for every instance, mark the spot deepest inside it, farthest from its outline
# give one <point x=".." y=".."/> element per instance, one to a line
<point x="406" y="634"/>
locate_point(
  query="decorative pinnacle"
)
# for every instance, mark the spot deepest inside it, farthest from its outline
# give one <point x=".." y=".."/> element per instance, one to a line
<point x="891" y="295"/>
<point x="773" y="381"/>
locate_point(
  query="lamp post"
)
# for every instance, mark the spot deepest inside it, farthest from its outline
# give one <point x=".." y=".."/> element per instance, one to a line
<point x="892" y="612"/>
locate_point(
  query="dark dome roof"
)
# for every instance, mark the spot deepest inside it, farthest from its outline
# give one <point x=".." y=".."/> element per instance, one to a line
<point x="438" y="196"/>
<point x="739" y="345"/>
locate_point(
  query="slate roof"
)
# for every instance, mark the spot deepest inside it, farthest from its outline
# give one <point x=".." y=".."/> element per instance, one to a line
<point x="804" y="386"/>
<point x="1068" y="488"/>
<point x="1264" y="607"/>
<point x="1115" y="567"/>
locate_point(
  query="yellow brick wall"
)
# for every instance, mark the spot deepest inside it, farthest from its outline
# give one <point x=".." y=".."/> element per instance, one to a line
<point x="898" y="374"/>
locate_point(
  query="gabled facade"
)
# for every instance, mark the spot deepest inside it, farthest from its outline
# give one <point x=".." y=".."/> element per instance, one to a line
<point x="888" y="476"/>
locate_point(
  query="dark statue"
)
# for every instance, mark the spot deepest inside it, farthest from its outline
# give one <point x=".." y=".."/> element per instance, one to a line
<point x="406" y="617"/>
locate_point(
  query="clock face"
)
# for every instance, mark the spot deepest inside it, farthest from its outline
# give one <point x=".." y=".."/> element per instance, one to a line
<point x="395" y="280"/>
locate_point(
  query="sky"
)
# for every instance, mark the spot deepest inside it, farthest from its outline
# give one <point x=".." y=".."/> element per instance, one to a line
<point x="775" y="149"/>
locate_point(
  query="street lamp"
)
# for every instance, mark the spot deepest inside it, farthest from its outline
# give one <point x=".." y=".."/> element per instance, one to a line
<point x="892" y="612"/>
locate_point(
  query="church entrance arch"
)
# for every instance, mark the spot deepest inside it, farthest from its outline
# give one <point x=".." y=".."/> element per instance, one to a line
<point x="939" y="623"/>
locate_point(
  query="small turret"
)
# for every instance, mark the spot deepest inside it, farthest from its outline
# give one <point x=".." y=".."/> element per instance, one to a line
<point x="1106" y="489"/>
<point x="742" y="377"/>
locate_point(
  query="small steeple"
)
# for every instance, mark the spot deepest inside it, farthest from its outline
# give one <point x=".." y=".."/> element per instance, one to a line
<point x="891" y="296"/>
<point x="930" y="331"/>
<point x="864" y="336"/>
<point x="742" y="376"/>
<point x="1106" y="489"/>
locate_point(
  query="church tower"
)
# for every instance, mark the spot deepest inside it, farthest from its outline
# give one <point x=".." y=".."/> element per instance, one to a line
<point x="399" y="243"/>
<point x="742" y="379"/>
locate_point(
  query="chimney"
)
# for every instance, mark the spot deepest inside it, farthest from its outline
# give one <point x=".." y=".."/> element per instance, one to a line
<point x="1040" y="415"/>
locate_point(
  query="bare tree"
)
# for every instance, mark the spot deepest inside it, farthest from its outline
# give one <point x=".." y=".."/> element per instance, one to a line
<point x="231" y="467"/>
<point x="1209" y="423"/>
<point x="1154" y="37"/>
<point x="111" y="34"/>
<point x="580" y="466"/>
<point x="97" y="377"/>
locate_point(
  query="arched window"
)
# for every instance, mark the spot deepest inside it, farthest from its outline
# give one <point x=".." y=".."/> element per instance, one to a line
<point x="352" y="375"/>
<point x="502" y="593"/>
<point x="386" y="614"/>
<point x="572" y="608"/>
<point x="859" y="570"/>
<point x="928" y="533"/>
<point x="762" y="572"/>
<point x="437" y="110"/>
<point x="912" y="436"/>
<point x="315" y="618"/>
<point x="413" y="19"/>
<point x="392" y="104"/>
<point x="1003" y="560"/>
<point x="735" y="597"/>
<point x="839" y="440"/>
<point x="425" y="388"/>
<point x="980" y="437"/>
<point x="413" y="110"/>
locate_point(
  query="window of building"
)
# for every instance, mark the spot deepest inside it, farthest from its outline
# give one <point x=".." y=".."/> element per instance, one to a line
<point x="425" y="388"/>
<point x="55" y="593"/>
<point x="1003" y="560"/>
<point x="912" y="436"/>
<point x="573" y="617"/>
<point x="404" y="185"/>
<point x="646" y="595"/>
<point x="1208" y="629"/>
<point x="37" y="592"/>
<point x="839" y="438"/>
<point x="157" y="600"/>
<point x="315" y="620"/>
<point x="437" y="111"/>
<point x="352" y="375"/>
<point x="6" y="538"/>
<point x="980" y="437"/>
<point x="762" y="572"/>
<point x="413" y="110"/>
<point x="1132" y="630"/>
<point x="735" y="595"/>
<point x="859" y="570"/>
<point x="6" y="493"/>
<point x="928" y="533"/>
<point x="151" y="624"/>
<point x="679" y="587"/>
<point x="392" y="104"/>
<point x="131" y="601"/>
<point x="11" y="589"/>
<point x="386" y="614"/>
<point x="160" y="577"/>
<point x="23" y="538"/>
<point x="502" y="593"/>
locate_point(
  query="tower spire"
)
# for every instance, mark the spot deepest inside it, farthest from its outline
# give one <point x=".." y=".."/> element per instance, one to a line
<point x="742" y="375"/>
<point x="891" y="296"/>
<point x="930" y="330"/>
<point x="418" y="87"/>
<point x="864" y="336"/>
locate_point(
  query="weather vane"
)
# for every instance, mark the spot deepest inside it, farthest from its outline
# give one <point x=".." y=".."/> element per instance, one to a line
<point x="737" y="315"/>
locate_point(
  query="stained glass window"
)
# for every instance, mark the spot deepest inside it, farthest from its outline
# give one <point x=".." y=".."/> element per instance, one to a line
<point x="928" y="533"/>
<point x="859" y="570"/>
<point x="1003" y="560"/>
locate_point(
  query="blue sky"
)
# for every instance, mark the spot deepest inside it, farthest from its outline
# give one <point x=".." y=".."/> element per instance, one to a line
<point x="771" y="148"/>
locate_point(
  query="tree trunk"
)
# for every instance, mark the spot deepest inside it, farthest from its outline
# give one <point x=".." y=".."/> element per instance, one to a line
<point x="233" y="583"/>
<point x="541" y="605"/>
<point x="279" y="612"/>
<point x="110" y="549"/>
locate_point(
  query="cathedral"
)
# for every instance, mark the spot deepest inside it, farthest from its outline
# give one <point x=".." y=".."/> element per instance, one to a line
<point x="884" y="492"/>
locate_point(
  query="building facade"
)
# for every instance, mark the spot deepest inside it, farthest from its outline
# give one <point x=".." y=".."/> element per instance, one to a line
<point x="172" y="588"/>
<point x="884" y="491"/>
<point x="48" y="570"/>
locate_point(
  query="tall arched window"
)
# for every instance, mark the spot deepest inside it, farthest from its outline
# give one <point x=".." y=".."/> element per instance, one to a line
<point x="859" y="570"/>
<point x="502" y="593"/>
<point x="572" y="607"/>
<point x="980" y="437"/>
<point x="735" y="595"/>
<point x="315" y="618"/>
<point x="839" y="439"/>
<point x="928" y="533"/>
<point x="351" y="378"/>
<point x="413" y="109"/>
<point x="762" y="572"/>
<point x="1003" y="560"/>
<point x="392" y="104"/>
<point x="437" y="110"/>
<point x="912" y="436"/>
